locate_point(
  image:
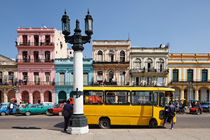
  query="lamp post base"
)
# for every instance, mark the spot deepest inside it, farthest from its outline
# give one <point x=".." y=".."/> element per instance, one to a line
<point x="78" y="124"/>
<point x="78" y="130"/>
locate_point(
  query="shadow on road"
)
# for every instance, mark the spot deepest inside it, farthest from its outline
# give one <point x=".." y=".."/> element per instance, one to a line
<point x="61" y="125"/>
<point x="17" y="127"/>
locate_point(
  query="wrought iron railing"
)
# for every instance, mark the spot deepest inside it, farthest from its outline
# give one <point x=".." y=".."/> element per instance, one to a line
<point x="34" y="43"/>
<point x="35" y="60"/>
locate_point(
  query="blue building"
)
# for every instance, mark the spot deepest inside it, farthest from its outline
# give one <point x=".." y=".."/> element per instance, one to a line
<point x="64" y="77"/>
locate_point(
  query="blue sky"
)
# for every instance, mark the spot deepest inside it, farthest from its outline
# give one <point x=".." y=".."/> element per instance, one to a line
<point x="184" y="24"/>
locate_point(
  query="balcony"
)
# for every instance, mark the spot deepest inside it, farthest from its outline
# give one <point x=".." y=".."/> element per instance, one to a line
<point x="151" y="84"/>
<point x="34" y="43"/>
<point x="109" y="62"/>
<point x="35" y="60"/>
<point x="100" y="83"/>
<point x="36" y="83"/>
<point x="70" y="84"/>
<point x="189" y="82"/>
<point x="151" y="70"/>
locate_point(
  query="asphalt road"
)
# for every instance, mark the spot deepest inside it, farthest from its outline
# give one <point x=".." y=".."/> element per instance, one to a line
<point x="56" y="122"/>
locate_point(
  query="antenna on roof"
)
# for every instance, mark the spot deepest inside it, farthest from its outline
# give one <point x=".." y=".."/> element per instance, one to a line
<point x="128" y="36"/>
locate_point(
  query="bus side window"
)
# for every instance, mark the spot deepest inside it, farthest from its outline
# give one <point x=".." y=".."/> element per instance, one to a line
<point x="110" y="98"/>
<point x="155" y="98"/>
<point x="117" y="98"/>
<point x="93" y="97"/>
<point x="142" y="98"/>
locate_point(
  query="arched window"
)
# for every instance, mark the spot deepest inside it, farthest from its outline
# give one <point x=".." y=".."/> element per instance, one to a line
<point x="137" y="63"/>
<point x="47" y="56"/>
<point x="61" y="97"/>
<point x="149" y="64"/>
<point x="111" y="53"/>
<point x="161" y="65"/>
<point x="111" y="76"/>
<point x="122" y="56"/>
<point x="100" y="56"/>
<point x="1" y="77"/>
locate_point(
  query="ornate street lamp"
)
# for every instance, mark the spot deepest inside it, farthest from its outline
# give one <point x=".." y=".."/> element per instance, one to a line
<point x="78" y="120"/>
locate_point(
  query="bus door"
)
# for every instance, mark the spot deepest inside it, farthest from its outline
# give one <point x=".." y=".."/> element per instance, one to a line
<point x="141" y="112"/>
<point x="159" y="107"/>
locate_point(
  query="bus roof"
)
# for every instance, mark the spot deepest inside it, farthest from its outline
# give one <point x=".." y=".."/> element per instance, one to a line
<point x="131" y="88"/>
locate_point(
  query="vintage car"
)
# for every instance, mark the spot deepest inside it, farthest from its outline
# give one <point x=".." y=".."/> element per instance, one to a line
<point x="196" y="110"/>
<point x="57" y="110"/>
<point x="205" y="106"/>
<point x="4" y="109"/>
<point x="33" y="109"/>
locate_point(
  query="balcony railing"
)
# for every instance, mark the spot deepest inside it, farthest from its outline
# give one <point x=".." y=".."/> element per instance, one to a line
<point x="35" y="60"/>
<point x="149" y="70"/>
<point x="190" y="82"/>
<point x="109" y="62"/>
<point x="71" y="84"/>
<point x="163" y="84"/>
<point x="23" y="82"/>
<point x="34" y="43"/>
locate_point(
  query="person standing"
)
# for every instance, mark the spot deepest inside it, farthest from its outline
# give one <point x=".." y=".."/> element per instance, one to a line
<point x="171" y="111"/>
<point x="11" y="106"/>
<point x="67" y="113"/>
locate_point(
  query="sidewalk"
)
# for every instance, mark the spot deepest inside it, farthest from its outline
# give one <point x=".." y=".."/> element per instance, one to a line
<point x="107" y="134"/>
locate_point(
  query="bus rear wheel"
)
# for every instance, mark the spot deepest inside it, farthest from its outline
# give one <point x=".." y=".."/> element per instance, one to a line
<point x="153" y="123"/>
<point x="104" y="123"/>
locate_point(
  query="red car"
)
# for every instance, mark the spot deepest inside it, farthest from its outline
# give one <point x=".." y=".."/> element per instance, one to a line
<point x="57" y="110"/>
<point x="196" y="110"/>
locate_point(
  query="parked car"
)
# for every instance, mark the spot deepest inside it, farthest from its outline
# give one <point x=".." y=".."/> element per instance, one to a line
<point x="33" y="109"/>
<point x="205" y="106"/>
<point x="196" y="110"/>
<point x="4" y="109"/>
<point x="47" y="104"/>
<point x="57" y="110"/>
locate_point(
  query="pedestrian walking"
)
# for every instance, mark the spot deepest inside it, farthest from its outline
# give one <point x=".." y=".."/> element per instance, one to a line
<point x="11" y="106"/>
<point x="67" y="112"/>
<point x="171" y="113"/>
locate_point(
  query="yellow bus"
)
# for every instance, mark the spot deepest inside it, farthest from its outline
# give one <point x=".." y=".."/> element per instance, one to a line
<point x="106" y="106"/>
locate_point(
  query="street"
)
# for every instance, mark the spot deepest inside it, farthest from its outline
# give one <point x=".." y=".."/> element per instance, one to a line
<point x="56" y="122"/>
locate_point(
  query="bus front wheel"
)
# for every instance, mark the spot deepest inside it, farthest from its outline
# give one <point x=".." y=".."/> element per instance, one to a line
<point x="104" y="123"/>
<point x="153" y="123"/>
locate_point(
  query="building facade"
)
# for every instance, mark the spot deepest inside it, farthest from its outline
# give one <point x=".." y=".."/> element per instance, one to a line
<point x="8" y="79"/>
<point x="37" y="49"/>
<point x="64" y="77"/>
<point x="111" y="62"/>
<point x="189" y="75"/>
<point x="149" y="66"/>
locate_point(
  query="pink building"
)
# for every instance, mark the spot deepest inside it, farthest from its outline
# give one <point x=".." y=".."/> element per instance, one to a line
<point x="37" y="49"/>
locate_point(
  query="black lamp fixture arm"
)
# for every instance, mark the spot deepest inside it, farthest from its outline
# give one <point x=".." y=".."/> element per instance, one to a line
<point x="77" y="38"/>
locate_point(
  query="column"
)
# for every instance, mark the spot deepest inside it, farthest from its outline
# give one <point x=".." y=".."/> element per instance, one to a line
<point x="5" y="96"/>
<point x="196" y="94"/>
<point x="53" y="96"/>
<point x="31" y="98"/>
<point x="182" y="95"/>
<point x="42" y="96"/>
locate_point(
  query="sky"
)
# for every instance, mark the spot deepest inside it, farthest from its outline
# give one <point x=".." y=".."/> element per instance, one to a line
<point x="184" y="24"/>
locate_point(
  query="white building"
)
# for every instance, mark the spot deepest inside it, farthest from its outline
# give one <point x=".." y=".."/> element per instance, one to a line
<point x="149" y="66"/>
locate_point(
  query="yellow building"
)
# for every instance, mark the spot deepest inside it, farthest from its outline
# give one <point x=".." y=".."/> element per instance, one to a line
<point x="189" y="75"/>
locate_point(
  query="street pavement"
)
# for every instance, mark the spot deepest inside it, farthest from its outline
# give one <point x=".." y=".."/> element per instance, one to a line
<point x="41" y="127"/>
<point x="108" y="134"/>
